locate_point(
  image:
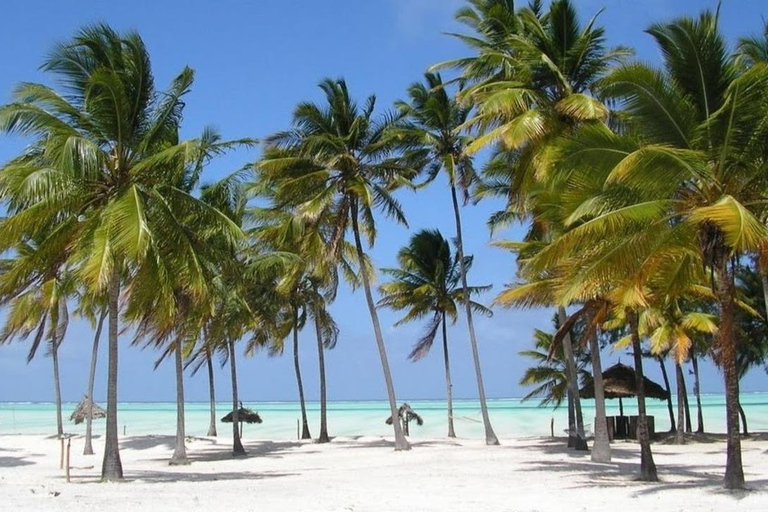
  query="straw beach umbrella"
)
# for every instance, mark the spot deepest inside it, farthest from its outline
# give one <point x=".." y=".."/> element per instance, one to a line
<point x="243" y="416"/>
<point x="405" y="414"/>
<point x="84" y="408"/>
<point x="619" y="382"/>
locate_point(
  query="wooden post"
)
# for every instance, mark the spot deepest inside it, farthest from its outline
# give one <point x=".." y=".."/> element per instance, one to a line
<point x="61" y="458"/>
<point x="69" y="441"/>
<point x="552" y="427"/>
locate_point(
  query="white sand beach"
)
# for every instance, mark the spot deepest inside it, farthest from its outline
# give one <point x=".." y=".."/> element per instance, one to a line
<point x="365" y="474"/>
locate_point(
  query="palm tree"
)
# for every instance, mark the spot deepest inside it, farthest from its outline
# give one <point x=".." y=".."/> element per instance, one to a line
<point x="427" y="284"/>
<point x="339" y="162"/>
<point x="699" y="130"/>
<point x="549" y="373"/>
<point x="41" y="308"/>
<point x="107" y="157"/>
<point x="432" y="132"/>
<point x="204" y="356"/>
<point x="90" y="309"/>
<point x="531" y="77"/>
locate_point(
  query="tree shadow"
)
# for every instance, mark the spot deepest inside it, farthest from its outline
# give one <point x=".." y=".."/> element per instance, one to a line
<point x="14" y="462"/>
<point x="171" y="476"/>
<point x="369" y="442"/>
<point x="621" y="450"/>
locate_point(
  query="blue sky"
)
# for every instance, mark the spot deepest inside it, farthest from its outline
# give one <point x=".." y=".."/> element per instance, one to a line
<point x="254" y="61"/>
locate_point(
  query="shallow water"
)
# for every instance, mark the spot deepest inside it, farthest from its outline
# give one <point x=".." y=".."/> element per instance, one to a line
<point x="510" y="417"/>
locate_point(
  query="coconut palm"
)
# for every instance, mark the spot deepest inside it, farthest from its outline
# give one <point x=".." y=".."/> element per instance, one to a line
<point x="41" y="308"/>
<point x="548" y="375"/>
<point x="340" y="162"/>
<point x="530" y="82"/>
<point x="432" y="131"/>
<point x="95" y="311"/>
<point x="427" y="284"/>
<point x="106" y="156"/>
<point x="707" y="136"/>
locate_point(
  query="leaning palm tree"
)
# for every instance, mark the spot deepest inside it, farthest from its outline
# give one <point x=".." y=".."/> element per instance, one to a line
<point x="41" y="309"/>
<point x="433" y="131"/>
<point x="530" y="83"/>
<point x="427" y="284"/>
<point x="106" y="155"/>
<point x="340" y="162"/>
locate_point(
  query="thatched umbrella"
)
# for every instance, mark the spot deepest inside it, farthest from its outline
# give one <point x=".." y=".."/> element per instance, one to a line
<point x="85" y="408"/>
<point x="243" y="416"/>
<point x="406" y="415"/>
<point x="620" y="381"/>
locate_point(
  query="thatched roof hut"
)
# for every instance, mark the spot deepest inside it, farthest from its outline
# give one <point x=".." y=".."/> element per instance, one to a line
<point x="243" y="416"/>
<point x="85" y="408"/>
<point x="620" y="381"/>
<point x="406" y="415"/>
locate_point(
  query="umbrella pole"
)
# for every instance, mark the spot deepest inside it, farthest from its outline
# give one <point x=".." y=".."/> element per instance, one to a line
<point x="621" y="408"/>
<point x="241" y="428"/>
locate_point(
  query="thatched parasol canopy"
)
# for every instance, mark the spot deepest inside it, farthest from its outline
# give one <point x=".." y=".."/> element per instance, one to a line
<point x="84" y="408"/>
<point x="619" y="381"/>
<point x="405" y="412"/>
<point x="244" y="416"/>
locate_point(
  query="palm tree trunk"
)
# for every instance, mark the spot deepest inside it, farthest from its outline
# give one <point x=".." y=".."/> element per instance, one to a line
<point x="580" y="443"/>
<point x="764" y="282"/>
<point x="697" y="392"/>
<point x="88" y="450"/>
<point x="680" y="432"/>
<point x="734" y="471"/>
<point x="490" y="435"/>
<point x="601" y="448"/>
<point x="212" y="393"/>
<point x="647" y="465"/>
<point x="112" y="467"/>
<point x="571" y="420"/>
<point x="179" y="457"/>
<point x="670" y="408"/>
<point x="297" y="368"/>
<point x="448" y="385"/>
<point x="324" y="438"/>
<point x="744" y="429"/>
<point x="237" y="445"/>
<point x="401" y="443"/>
<point x="57" y="384"/>
<point x="688" y="427"/>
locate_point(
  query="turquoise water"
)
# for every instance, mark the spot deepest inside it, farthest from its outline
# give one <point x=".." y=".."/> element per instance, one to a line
<point x="510" y="417"/>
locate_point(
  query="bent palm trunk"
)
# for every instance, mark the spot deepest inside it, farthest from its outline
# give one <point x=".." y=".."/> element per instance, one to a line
<point x="580" y="442"/>
<point x="112" y="467"/>
<point x="601" y="448"/>
<point x="324" y="438"/>
<point x="490" y="435"/>
<point x="88" y="450"/>
<point x="670" y="408"/>
<point x="211" y="392"/>
<point x="179" y="457"/>
<point x="647" y="465"/>
<point x="448" y="386"/>
<point x="697" y="392"/>
<point x="237" y="445"/>
<point x="401" y="443"/>
<point x="297" y="368"/>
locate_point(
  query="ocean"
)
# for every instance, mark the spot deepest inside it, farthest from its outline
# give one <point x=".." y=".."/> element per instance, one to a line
<point x="510" y="417"/>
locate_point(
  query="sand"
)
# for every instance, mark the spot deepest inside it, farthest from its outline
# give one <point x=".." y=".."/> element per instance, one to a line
<point x="365" y="474"/>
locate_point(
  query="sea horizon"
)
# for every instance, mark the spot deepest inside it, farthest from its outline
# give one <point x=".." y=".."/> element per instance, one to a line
<point x="511" y="417"/>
